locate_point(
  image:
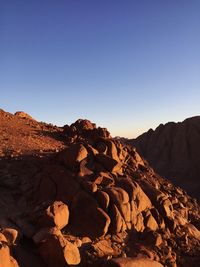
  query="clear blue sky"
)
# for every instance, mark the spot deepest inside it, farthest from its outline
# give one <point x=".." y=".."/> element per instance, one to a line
<point x="127" y="65"/>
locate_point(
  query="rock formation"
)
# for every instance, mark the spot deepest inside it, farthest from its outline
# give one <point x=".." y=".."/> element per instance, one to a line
<point x="95" y="202"/>
<point x="173" y="150"/>
<point x="23" y="115"/>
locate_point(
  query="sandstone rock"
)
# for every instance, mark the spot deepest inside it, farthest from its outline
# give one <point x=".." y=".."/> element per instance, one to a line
<point x="157" y="216"/>
<point x="153" y="193"/>
<point x="5" y="258"/>
<point x="134" y="212"/>
<point x="10" y="234"/>
<point x="103" y="199"/>
<point x="138" y="160"/>
<point x="103" y="248"/>
<point x="73" y="239"/>
<point x="74" y="155"/>
<point x="120" y="198"/>
<point x="101" y="147"/>
<point x="120" y="237"/>
<point x="104" y="179"/>
<point x="43" y="233"/>
<point x="192" y="230"/>
<point x="84" y="125"/>
<point x="139" y="224"/>
<point x="94" y="221"/>
<point x="132" y="262"/>
<point x="89" y="187"/>
<point x="14" y="262"/>
<point x="179" y="218"/>
<point x="119" y="207"/>
<point x="108" y="163"/>
<point x="160" y="200"/>
<point x="135" y="193"/>
<point x="118" y="195"/>
<point x="141" y="199"/>
<point x="85" y="168"/>
<point x="91" y="150"/>
<point x="103" y="133"/>
<point x="153" y="238"/>
<point x="125" y="210"/>
<point x="57" y="251"/>
<point x="23" y="115"/>
<point x="71" y="254"/>
<point x="84" y="129"/>
<point x="86" y="240"/>
<point x="117" y="222"/>
<point x="55" y="182"/>
<point x="150" y="222"/>
<point x="167" y="208"/>
<point x="111" y="149"/>
<point x="56" y="214"/>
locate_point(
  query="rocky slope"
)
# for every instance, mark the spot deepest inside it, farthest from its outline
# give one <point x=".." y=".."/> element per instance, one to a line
<point x="92" y="202"/>
<point x="173" y="150"/>
<point x="20" y="134"/>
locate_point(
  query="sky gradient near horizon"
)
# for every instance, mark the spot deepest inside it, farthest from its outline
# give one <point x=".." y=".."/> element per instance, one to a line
<point x="125" y="65"/>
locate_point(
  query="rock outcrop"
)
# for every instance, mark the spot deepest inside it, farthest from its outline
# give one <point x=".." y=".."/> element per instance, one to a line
<point x="173" y="150"/>
<point x="23" y="115"/>
<point x="95" y="203"/>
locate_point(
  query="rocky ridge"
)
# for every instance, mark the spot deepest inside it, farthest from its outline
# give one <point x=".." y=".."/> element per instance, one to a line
<point x="95" y="202"/>
<point x="173" y="151"/>
<point x="20" y="134"/>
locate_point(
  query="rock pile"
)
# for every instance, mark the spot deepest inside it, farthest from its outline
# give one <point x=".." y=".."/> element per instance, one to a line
<point x="95" y="203"/>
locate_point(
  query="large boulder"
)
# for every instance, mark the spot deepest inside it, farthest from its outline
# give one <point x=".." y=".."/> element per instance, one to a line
<point x="86" y="218"/>
<point x="120" y="198"/>
<point x="6" y="260"/>
<point x="108" y="163"/>
<point x="57" y="183"/>
<point x="103" y="199"/>
<point x="56" y="214"/>
<point x="73" y="155"/>
<point x="136" y="194"/>
<point x="117" y="221"/>
<point x="56" y="250"/>
<point x="23" y="115"/>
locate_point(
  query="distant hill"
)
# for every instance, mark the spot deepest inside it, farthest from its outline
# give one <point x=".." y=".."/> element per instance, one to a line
<point x="173" y="150"/>
<point x="20" y="134"/>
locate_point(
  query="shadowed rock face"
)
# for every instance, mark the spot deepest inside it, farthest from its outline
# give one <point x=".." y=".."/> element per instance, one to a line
<point x="95" y="203"/>
<point x="173" y="150"/>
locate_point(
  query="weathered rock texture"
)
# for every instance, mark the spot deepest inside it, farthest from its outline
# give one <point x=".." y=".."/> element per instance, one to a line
<point x="173" y="150"/>
<point x="95" y="203"/>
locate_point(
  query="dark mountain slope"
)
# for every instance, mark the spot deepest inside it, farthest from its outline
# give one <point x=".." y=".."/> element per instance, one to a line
<point x="173" y="150"/>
